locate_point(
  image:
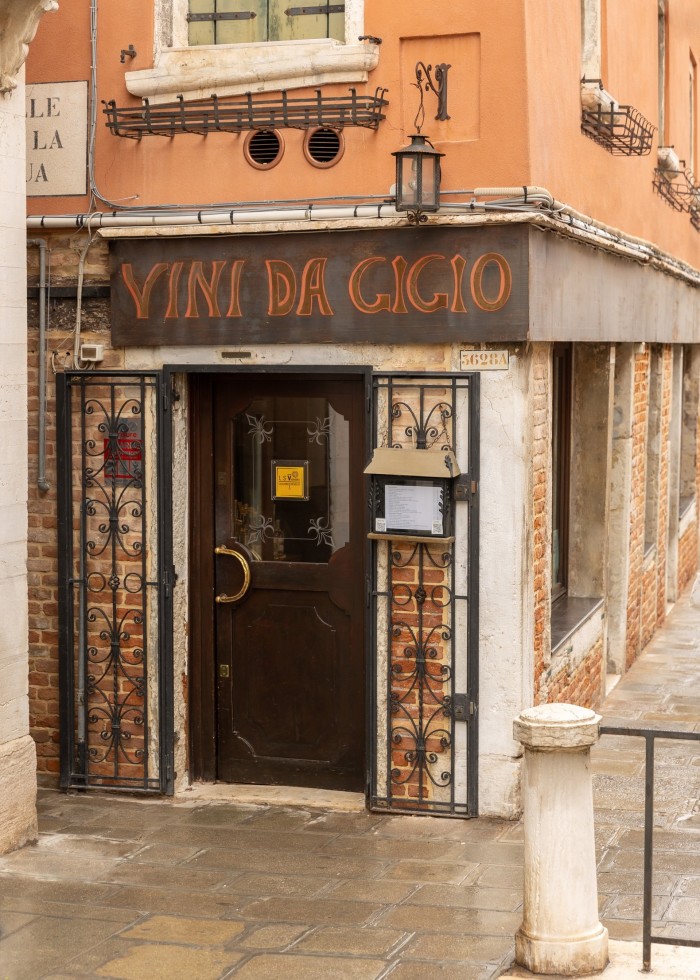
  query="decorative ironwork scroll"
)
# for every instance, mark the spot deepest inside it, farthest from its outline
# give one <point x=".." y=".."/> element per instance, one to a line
<point x="115" y="586"/>
<point x="425" y="599"/>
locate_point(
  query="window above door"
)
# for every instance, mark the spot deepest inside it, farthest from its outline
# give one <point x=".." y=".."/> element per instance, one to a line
<point x="235" y="46"/>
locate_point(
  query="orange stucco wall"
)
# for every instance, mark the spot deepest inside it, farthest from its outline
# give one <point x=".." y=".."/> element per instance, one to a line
<point x="513" y="100"/>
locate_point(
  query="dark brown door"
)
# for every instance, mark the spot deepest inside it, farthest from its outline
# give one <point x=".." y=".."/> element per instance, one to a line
<point x="289" y="609"/>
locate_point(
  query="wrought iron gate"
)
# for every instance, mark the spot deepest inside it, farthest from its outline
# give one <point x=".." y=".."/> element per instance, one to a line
<point x="425" y="604"/>
<point x="115" y="581"/>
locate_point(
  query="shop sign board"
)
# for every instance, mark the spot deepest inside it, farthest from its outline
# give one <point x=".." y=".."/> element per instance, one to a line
<point x="413" y="285"/>
<point x="57" y="136"/>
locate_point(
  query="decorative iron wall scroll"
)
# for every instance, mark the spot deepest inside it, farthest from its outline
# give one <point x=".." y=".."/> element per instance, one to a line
<point x="115" y="583"/>
<point x="425" y="619"/>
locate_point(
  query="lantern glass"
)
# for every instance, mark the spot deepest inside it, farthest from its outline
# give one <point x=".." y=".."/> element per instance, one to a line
<point x="417" y="177"/>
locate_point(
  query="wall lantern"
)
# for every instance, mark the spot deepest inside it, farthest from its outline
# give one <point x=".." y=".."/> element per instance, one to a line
<point x="418" y="165"/>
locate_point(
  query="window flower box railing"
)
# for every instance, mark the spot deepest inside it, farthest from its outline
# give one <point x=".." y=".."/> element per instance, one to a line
<point x="237" y="115"/>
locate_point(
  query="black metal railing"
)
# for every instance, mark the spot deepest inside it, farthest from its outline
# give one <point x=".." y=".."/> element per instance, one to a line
<point x="621" y="129"/>
<point x="650" y="735"/>
<point x="238" y="115"/>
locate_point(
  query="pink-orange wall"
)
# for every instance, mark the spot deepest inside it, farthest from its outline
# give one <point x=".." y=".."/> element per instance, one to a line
<point x="514" y="104"/>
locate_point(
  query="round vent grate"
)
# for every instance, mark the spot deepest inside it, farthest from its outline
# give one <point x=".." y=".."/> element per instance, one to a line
<point x="323" y="147"/>
<point x="263" y="148"/>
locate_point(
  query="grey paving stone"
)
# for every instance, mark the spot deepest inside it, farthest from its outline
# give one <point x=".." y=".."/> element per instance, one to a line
<point x="467" y="897"/>
<point x="299" y="886"/>
<point x="632" y="907"/>
<point x="293" y="966"/>
<point x="419" y="871"/>
<point x="631" y="883"/>
<point x="372" y="890"/>
<point x="290" y="863"/>
<point x="446" y="971"/>
<point x="443" y="946"/>
<point x="502" y="852"/>
<point x="360" y="941"/>
<point x="311" y="911"/>
<point x="275" y="937"/>
<point x="390" y="848"/>
<point x="686" y="909"/>
<point x="429" y="918"/>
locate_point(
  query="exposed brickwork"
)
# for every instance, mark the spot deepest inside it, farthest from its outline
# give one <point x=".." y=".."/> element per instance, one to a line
<point x="575" y="681"/>
<point x="649" y="595"/>
<point x="687" y="555"/>
<point x="42" y="547"/>
<point x="662" y="523"/>
<point x="637" y="505"/>
<point x="541" y="507"/>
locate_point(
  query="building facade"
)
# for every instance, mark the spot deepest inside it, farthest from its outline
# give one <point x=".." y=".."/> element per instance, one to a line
<point x="18" y="825"/>
<point x="323" y="493"/>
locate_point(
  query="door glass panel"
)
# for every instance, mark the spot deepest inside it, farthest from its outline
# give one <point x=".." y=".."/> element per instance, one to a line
<point x="306" y="442"/>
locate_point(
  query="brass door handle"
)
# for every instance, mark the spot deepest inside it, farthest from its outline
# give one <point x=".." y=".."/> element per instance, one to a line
<point x="221" y="550"/>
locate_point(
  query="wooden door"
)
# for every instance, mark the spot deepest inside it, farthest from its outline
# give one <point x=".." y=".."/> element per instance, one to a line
<point x="288" y="581"/>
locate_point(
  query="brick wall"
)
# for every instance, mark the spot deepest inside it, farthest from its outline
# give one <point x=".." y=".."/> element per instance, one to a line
<point x="42" y="549"/>
<point x="637" y="506"/>
<point x="575" y="680"/>
<point x="662" y="523"/>
<point x="687" y="555"/>
<point x="541" y="510"/>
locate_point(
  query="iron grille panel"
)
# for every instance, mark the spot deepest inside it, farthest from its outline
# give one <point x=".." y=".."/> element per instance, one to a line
<point x="115" y="583"/>
<point x="425" y="605"/>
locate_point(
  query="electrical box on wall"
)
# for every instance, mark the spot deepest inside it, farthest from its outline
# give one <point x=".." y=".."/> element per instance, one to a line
<point x="412" y="494"/>
<point x="92" y="352"/>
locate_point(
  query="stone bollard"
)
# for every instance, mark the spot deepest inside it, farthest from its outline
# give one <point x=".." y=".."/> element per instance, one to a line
<point x="560" y="932"/>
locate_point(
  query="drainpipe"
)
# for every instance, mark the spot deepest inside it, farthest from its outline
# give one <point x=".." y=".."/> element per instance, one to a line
<point x="40" y="243"/>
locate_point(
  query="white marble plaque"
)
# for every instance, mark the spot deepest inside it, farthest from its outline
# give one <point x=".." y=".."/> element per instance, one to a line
<point x="57" y="135"/>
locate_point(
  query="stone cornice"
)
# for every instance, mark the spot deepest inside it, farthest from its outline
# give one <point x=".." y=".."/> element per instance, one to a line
<point x="19" y="20"/>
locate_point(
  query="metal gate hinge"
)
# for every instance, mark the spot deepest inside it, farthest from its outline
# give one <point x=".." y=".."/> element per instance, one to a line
<point x="460" y="707"/>
<point x="465" y="487"/>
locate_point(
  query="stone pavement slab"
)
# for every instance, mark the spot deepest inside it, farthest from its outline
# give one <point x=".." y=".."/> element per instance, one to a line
<point x="668" y="963"/>
<point x="201" y="887"/>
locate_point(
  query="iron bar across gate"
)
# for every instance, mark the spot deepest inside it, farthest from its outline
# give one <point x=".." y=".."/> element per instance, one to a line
<point x="650" y="735"/>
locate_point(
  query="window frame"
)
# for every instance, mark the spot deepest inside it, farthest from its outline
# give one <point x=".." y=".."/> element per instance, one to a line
<point x="562" y="402"/>
<point x="235" y="69"/>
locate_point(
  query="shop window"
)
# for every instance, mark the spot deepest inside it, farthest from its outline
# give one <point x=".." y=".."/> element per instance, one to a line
<point x="653" y="450"/>
<point x="249" y="21"/>
<point x="561" y="459"/>
<point x="260" y="45"/>
<point x="580" y="401"/>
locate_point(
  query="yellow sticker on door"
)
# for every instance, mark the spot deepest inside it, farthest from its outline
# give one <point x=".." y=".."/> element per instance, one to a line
<point x="289" y="480"/>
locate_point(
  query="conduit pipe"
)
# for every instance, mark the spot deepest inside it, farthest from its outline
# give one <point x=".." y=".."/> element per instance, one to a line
<point x="535" y="202"/>
<point x="40" y="243"/>
<point x="230" y="216"/>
